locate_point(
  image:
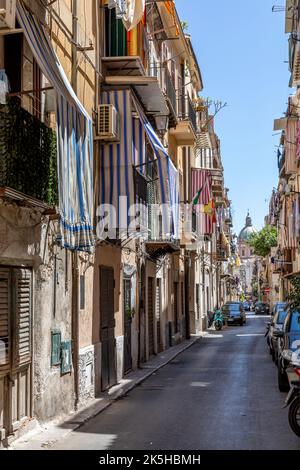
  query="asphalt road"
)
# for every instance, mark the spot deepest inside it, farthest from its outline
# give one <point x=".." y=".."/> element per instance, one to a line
<point x="219" y="394"/>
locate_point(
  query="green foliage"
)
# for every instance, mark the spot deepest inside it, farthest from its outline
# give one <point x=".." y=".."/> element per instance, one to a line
<point x="294" y="295"/>
<point x="184" y="25"/>
<point x="263" y="241"/>
<point x="28" y="161"/>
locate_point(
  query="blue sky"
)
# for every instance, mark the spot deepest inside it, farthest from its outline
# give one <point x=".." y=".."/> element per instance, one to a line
<point x="242" y="49"/>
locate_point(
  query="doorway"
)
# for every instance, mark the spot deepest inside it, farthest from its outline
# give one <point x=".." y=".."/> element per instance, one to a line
<point x="127" y="312"/>
<point x="15" y="349"/>
<point x="107" y="328"/>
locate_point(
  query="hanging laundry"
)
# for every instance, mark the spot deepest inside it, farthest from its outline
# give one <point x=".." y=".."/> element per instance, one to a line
<point x="4" y="86"/>
<point x="120" y="6"/>
<point x="134" y="13"/>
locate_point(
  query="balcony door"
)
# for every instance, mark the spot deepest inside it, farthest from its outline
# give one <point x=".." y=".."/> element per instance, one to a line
<point x="115" y="35"/>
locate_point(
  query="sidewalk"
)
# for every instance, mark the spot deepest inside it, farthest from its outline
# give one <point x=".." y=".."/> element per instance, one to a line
<point x="45" y="436"/>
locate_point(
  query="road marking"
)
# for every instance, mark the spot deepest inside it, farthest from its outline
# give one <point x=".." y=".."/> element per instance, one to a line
<point x="253" y="334"/>
<point x="200" y="384"/>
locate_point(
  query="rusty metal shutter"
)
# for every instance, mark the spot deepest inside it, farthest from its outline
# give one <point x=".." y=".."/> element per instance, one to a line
<point x="22" y="307"/>
<point x="4" y="319"/>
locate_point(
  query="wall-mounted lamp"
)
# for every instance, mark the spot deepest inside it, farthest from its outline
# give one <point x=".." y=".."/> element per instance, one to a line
<point x="162" y="122"/>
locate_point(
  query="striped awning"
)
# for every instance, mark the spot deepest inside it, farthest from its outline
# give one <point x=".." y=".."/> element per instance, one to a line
<point x="118" y="159"/>
<point x="168" y="179"/>
<point x="74" y="140"/>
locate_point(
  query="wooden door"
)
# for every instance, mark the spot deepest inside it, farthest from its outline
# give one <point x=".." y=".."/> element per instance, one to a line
<point x="158" y="315"/>
<point x="127" y="324"/>
<point x="150" y="316"/>
<point x="107" y="328"/>
<point x="15" y="348"/>
<point x="175" y="307"/>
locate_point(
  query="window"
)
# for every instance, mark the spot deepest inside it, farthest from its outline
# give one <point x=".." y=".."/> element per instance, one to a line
<point x="295" y="322"/>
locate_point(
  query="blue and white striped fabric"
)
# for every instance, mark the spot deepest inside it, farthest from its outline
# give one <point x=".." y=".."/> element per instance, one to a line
<point x="74" y="141"/>
<point x="116" y="172"/>
<point x="168" y="177"/>
<point x="139" y="146"/>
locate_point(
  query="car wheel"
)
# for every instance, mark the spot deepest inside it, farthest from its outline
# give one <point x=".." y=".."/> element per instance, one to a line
<point x="272" y="354"/>
<point x="283" y="382"/>
<point x="294" y="416"/>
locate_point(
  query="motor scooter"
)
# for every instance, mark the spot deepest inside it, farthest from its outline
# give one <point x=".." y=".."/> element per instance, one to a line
<point x="218" y="320"/>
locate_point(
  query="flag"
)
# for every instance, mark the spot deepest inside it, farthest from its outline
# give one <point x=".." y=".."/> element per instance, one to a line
<point x="196" y="198"/>
<point x="202" y="189"/>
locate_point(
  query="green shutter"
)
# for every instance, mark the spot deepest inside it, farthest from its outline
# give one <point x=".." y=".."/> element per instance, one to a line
<point x="55" y="347"/>
<point x="116" y="36"/>
<point x="66" y="357"/>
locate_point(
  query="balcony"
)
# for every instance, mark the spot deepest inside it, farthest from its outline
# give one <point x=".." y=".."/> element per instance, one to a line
<point x="185" y="131"/>
<point x="171" y="97"/>
<point x="159" y="243"/>
<point x="28" y="162"/>
<point x="281" y="164"/>
<point x="217" y="185"/>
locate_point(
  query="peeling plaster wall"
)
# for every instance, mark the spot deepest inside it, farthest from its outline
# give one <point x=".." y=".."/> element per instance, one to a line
<point x="27" y="242"/>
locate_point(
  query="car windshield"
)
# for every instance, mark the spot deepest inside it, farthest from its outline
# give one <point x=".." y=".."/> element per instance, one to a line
<point x="295" y="322"/>
<point x="280" y="306"/>
<point x="281" y="317"/>
<point x="232" y="307"/>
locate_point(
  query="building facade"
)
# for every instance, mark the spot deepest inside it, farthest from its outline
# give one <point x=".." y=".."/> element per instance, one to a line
<point x="106" y="259"/>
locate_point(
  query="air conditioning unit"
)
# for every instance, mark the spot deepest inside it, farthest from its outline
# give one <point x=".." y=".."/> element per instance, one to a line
<point x="108" y="123"/>
<point x="7" y="14"/>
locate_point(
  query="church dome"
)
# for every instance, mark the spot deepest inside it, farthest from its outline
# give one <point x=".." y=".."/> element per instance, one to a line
<point x="247" y="231"/>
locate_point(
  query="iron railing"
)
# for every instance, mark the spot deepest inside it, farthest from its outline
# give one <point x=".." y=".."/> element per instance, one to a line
<point x="170" y="91"/>
<point x="28" y="160"/>
<point x="187" y="111"/>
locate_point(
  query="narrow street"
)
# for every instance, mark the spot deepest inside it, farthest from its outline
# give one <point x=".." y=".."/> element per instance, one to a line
<point x="220" y="394"/>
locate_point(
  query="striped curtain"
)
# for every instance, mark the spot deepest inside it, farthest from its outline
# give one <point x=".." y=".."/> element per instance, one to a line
<point x="139" y="146"/>
<point x="168" y="178"/>
<point x="116" y="171"/>
<point x="74" y="141"/>
<point x="202" y="180"/>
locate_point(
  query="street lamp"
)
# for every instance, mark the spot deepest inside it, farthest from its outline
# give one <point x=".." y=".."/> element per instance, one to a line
<point x="288" y="190"/>
<point x="162" y="123"/>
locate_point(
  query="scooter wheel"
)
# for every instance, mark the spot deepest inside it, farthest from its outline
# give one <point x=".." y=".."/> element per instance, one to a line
<point x="294" y="416"/>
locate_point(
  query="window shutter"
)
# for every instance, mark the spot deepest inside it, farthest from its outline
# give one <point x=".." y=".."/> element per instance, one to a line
<point x="4" y="318"/>
<point x="22" y="306"/>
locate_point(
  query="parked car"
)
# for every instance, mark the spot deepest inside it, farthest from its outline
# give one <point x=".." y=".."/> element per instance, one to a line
<point x="262" y="308"/>
<point x="288" y="347"/>
<point x="276" y="324"/>
<point x="234" y="313"/>
<point x="278" y="306"/>
<point x="246" y="306"/>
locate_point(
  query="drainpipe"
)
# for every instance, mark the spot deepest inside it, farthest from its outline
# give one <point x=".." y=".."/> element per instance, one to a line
<point x="75" y="268"/>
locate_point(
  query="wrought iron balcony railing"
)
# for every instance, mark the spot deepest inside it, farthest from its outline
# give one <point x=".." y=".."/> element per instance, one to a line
<point x="187" y="111"/>
<point x="170" y="91"/>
